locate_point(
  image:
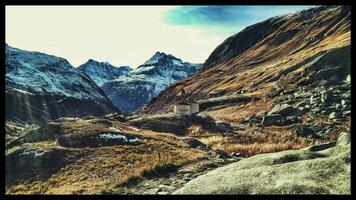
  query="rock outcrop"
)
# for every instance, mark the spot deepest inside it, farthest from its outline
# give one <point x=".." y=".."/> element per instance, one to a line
<point x="306" y="171"/>
<point x="26" y="161"/>
<point x="178" y="124"/>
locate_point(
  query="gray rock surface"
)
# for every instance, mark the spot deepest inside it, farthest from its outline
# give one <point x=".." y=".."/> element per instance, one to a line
<point x="287" y="172"/>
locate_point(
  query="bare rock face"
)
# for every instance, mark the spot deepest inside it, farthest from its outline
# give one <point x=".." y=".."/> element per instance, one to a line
<point x="324" y="169"/>
<point x="194" y="143"/>
<point x="24" y="161"/>
<point x="344" y="139"/>
<point x="170" y="123"/>
<point x="48" y="131"/>
<point x="178" y="124"/>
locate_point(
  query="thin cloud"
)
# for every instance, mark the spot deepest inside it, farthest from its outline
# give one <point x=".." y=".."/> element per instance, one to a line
<point x="224" y="16"/>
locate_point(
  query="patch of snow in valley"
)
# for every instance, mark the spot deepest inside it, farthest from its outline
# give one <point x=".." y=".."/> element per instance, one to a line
<point x="110" y="136"/>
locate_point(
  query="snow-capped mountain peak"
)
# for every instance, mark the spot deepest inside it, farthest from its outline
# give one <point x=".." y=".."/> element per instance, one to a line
<point x="140" y="85"/>
<point x="163" y="58"/>
<point x="51" y="87"/>
<point x="101" y="72"/>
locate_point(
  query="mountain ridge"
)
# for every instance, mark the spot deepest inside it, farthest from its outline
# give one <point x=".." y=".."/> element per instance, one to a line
<point x="102" y="72"/>
<point x="134" y="89"/>
<point x="40" y="87"/>
<point x="259" y="55"/>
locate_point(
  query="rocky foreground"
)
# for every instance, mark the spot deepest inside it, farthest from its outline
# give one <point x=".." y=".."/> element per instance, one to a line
<point x="320" y="169"/>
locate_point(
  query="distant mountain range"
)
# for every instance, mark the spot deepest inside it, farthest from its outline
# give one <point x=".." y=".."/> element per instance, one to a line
<point x="130" y="89"/>
<point x="40" y="87"/>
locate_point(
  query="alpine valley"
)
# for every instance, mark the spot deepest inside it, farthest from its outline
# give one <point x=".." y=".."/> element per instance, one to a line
<point x="274" y="116"/>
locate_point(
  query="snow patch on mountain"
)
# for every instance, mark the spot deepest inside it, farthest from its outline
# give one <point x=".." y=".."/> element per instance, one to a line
<point x="136" y="88"/>
<point x="102" y="72"/>
<point x="44" y="73"/>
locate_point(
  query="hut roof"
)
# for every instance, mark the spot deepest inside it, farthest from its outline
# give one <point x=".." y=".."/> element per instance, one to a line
<point x="185" y="102"/>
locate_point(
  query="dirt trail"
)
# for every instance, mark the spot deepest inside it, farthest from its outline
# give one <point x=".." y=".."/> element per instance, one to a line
<point x="172" y="181"/>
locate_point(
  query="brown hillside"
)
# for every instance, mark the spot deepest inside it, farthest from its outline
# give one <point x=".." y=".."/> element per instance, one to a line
<point x="299" y="49"/>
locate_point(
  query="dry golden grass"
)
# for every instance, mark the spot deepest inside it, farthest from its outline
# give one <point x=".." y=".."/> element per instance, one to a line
<point x="94" y="170"/>
<point x="196" y="131"/>
<point x="252" y="142"/>
<point x="235" y="114"/>
<point x="91" y="170"/>
<point x="258" y="148"/>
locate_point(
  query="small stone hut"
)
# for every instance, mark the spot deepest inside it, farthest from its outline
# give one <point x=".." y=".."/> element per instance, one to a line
<point x="186" y="107"/>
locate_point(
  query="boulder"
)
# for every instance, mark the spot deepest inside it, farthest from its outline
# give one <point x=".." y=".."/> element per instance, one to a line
<point x="332" y="115"/>
<point x="302" y="95"/>
<point x="285" y="110"/>
<point x="25" y="161"/>
<point x="346" y="113"/>
<point x="223" y="127"/>
<point x="346" y="95"/>
<point x="278" y="120"/>
<point x="274" y="92"/>
<point x="45" y="132"/>
<point x="301" y="130"/>
<point x="261" y="114"/>
<point x="169" y="123"/>
<point x="221" y="154"/>
<point x="304" y="171"/>
<point x="348" y="79"/>
<point x="344" y="139"/>
<point x="194" y="143"/>
<point x="320" y="147"/>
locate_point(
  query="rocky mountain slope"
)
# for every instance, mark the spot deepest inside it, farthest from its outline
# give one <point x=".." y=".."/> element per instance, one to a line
<point x="102" y="72"/>
<point x="139" y="86"/>
<point x="41" y="87"/>
<point x="273" y="57"/>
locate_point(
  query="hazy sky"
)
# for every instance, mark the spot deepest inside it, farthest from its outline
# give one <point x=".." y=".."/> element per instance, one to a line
<point x="129" y="35"/>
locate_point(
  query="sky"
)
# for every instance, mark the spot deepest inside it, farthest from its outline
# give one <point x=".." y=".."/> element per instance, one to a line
<point x="129" y="35"/>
